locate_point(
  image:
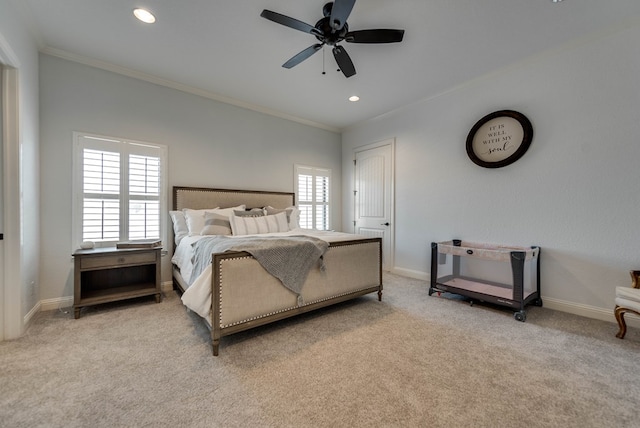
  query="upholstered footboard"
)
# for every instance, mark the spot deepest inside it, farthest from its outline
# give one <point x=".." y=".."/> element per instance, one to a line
<point x="246" y="296"/>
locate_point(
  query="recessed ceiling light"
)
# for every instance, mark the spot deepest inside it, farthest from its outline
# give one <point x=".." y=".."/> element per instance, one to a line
<point x="556" y="1"/>
<point x="354" y="98"/>
<point x="144" y="16"/>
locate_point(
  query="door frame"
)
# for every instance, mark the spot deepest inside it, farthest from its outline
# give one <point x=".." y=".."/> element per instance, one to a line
<point x="11" y="322"/>
<point x="389" y="258"/>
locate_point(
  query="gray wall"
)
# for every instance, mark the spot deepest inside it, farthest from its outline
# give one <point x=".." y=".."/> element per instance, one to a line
<point x="210" y="144"/>
<point x="574" y="193"/>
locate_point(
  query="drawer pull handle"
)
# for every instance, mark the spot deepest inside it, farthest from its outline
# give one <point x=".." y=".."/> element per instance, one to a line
<point x="121" y="259"/>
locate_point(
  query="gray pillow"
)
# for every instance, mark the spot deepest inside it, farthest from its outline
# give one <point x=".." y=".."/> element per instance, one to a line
<point x="253" y="212"/>
<point x="216" y="224"/>
<point x="272" y="211"/>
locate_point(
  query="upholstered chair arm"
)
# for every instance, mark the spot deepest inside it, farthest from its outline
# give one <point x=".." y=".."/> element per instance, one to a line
<point x="635" y="278"/>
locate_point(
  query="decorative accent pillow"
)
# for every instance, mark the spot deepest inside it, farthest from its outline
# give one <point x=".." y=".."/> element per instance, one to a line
<point x="293" y="215"/>
<point x="258" y="225"/>
<point x="253" y="212"/>
<point x="216" y="224"/>
<point x="180" y="229"/>
<point x="195" y="218"/>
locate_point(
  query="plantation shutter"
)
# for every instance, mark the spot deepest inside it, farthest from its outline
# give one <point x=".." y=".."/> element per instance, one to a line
<point x="144" y="197"/>
<point x="122" y="190"/>
<point x="313" y="195"/>
<point x="101" y="199"/>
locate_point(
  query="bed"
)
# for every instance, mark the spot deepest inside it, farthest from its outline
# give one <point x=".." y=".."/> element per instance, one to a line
<point x="235" y="292"/>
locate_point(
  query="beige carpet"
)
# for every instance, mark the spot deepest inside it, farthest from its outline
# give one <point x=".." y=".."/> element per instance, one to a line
<point x="410" y="360"/>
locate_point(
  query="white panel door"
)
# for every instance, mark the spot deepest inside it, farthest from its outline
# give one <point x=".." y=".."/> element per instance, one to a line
<point x="374" y="197"/>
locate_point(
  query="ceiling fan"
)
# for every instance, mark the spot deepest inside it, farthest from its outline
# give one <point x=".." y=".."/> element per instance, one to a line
<point x="331" y="30"/>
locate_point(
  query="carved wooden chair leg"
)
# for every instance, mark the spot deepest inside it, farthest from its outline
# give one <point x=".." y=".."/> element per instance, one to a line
<point x="627" y="300"/>
<point x="619" y="313"/>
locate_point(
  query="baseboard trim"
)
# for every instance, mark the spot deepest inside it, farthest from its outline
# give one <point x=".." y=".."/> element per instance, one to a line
<point x="32" y="313"/>
<point x="166" y="286"/>
<point x="411" y="273"/>
<point x="57" y="303"/>
<point x="587" y="311"/>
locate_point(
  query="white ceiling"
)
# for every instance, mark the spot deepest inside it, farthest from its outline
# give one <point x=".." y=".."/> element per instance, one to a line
<point x="225" y="50"/>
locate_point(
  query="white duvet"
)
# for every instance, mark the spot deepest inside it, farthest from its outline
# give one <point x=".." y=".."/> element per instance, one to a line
<point x="197" y="296"/>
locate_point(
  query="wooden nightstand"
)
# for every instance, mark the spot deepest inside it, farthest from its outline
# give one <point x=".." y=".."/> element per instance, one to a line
<point x="104" y="275"/>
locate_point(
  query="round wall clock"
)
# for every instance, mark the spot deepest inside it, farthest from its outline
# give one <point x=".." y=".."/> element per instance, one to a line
<point x="499" y="139"/>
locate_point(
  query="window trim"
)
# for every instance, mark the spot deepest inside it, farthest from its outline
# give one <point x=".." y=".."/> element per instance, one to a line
<point x="77" y="186"/>
<point x="316" y="171"/>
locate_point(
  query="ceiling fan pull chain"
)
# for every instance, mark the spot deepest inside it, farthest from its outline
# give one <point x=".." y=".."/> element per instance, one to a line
<point x="323" y="72"/>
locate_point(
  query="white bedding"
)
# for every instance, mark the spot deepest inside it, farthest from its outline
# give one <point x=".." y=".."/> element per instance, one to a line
<point x="197" y="296"/>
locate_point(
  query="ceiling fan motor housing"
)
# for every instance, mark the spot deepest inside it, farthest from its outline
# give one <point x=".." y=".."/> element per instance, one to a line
<point x="328" y="34"/>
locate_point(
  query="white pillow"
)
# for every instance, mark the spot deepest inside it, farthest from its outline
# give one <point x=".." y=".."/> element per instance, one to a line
<point x="258" y="225"/>
<point x="293" y="215"/>
<point x="195" y="218"/>
<point x="180" y="229"/>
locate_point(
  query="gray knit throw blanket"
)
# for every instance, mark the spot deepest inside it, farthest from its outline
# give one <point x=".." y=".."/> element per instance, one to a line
<point x="290" y="259"/>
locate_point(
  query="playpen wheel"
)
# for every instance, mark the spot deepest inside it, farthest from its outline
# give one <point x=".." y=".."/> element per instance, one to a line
<point x="538" y="302"/>
<point x="520" y="316"/>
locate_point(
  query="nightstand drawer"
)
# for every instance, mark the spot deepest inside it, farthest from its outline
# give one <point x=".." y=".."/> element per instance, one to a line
<point x="117" y="260"/>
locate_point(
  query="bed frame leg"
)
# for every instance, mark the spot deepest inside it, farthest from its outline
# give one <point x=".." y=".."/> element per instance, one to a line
<point x="379" y="295"/>
<point x="216" y="346"/>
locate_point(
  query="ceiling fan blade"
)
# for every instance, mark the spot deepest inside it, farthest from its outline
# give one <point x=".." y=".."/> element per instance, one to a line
<point x="298" y="58"/>
<point x="344" y="61"/>
<point x="340" y="12"/>
<point x="374" y="36"/>
<point x="288" y="21"/>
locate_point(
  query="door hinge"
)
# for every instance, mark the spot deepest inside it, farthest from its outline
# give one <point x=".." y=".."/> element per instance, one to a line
<point x="354" y="161"/>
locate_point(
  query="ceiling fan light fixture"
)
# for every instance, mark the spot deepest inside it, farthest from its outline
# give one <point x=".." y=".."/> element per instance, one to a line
<point x="354" y="98"/>
<point x="144" y="16"/>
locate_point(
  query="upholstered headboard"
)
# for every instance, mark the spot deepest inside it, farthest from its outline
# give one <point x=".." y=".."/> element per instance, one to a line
<point x="202" y="198"/>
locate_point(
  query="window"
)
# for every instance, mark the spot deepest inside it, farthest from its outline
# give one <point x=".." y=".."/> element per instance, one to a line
<point x="119" y="190"/>
<point x="313" y="195"/>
